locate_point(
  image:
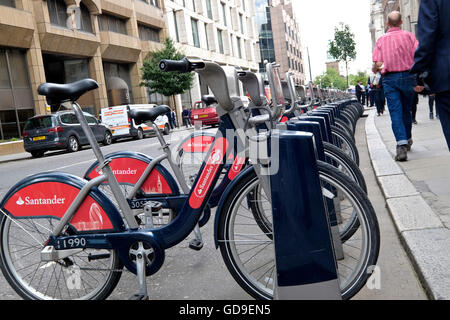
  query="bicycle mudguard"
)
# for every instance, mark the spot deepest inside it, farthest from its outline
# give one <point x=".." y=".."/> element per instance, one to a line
<point x="50" y="194"/>
<point x="128" y="168"/>
<point x="229" y="188"/>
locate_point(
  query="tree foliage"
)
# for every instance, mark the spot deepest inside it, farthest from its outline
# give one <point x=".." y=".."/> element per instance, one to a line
<point x="165" y="83"/>
<point x="343" y="47"/>
<point x="360" y="76"/>
<point x="331" y="79"/>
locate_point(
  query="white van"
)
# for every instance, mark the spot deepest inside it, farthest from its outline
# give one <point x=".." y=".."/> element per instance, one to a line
<point x="117" y="118"/>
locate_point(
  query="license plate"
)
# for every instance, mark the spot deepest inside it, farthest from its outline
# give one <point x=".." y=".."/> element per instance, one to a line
<point x="39" y="138"/>
<point x="204" y="116"/>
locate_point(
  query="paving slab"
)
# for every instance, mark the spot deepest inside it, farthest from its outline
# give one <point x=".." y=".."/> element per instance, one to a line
<point x="398" y="185"/>
<point x="413" y="213"/>
<point x="429" y="250"/>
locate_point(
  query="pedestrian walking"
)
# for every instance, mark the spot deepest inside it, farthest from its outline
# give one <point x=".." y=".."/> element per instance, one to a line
<point x="367" y="95"/>
<point x="358" y="91"/>
<point x="172" y="119"/>
<point x="377" y="92"/>
<point x="185" y="116"/>
<point x="414" y="108"/>
<point x="394" y="57"/>
<point x="371" y="91"/>
<point x="431" y="99"/>
<point x="433" y="56"/>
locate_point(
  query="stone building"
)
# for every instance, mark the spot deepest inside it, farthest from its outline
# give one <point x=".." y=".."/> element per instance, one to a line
<point x="66" y="40"/>
<point x="279" y="37"/>
<point x="222" y="31"/>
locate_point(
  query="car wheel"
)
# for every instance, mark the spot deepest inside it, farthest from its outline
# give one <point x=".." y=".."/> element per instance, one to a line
<point x="73" y="145"/>
<point x="108" y="138"/>
<point x="37" y="154"/>
<point x="140" y="134"/>
<point x="166" y="130"/>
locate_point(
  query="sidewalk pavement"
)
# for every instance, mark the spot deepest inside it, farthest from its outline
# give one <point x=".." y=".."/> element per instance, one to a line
<point x="417" y="194"/>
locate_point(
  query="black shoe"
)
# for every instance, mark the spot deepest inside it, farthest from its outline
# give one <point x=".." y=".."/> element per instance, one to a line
<point x="409" y="145"/>
<point x="402" y="153"/>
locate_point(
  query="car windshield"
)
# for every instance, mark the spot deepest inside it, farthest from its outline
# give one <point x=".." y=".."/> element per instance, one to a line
<point x="39" y="123"/>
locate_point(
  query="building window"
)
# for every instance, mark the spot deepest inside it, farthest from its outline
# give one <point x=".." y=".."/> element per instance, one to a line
<point x="220" y="39"/>
<point x="206" y="36"/>
<point x="108" y="22"/>
<point x="57" y="11"/>
<point x="16" y="102"/>
<point x="239" y="47"/>
<point x="209" y="9"/>
<point x="119" y="70"/>
<point x="85" y="21"/>
<point x="243" y="5"/>
<point x="175" y="21"/>
<point x="8" y="3"/>
<point x="241" y="22"/>
<point x="155" y="3"/>
<point x="149" y="33"/>
<point x="195" y="37"/>
<point x="224" y="15"/>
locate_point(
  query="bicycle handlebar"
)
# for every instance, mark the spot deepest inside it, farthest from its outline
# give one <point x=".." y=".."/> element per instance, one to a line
<point x="182" y="66"/>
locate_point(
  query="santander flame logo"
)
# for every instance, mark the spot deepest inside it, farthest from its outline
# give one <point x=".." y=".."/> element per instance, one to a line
<point x="20" y="201"/>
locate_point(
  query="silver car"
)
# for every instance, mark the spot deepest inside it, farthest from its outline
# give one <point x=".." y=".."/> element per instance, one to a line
<point x="61" y="130"/>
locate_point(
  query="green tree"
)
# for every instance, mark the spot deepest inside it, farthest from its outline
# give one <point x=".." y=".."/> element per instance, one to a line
<point x="343" y="47"/>
<point x="360" y="76"/>
<point x="165" y="83"/>
<point x="331" y="79"/>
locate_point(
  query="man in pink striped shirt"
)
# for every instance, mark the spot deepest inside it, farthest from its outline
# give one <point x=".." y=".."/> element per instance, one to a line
<point x="394" y="56"/>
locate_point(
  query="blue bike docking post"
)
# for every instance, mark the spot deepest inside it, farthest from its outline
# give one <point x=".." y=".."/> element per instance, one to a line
<point x="304" y="255"/>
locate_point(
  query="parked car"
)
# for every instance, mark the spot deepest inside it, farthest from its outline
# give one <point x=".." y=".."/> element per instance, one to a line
<point x="204" y="111"/>
<point x="61" y="130"/>
<point x="122" y="126"/>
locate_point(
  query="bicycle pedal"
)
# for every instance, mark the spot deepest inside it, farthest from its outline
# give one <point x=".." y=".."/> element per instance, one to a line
<point x="139" y="296"/>
<point x="196" y="245"/>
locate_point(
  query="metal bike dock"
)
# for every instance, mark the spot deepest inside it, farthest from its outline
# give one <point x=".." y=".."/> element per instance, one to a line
<point x="304" y="254"/>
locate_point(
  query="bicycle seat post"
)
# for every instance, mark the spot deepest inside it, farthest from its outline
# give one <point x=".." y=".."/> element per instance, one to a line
<point x="106" y="169"/>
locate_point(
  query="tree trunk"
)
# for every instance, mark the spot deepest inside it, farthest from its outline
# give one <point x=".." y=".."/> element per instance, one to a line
<point x="174" y="102"/>
<point x="346" y="70"/>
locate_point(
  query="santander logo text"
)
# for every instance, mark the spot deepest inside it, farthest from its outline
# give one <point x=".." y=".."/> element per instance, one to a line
<point x="28" y="201"/>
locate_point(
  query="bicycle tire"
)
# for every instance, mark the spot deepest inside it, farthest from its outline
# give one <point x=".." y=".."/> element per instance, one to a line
<point x="24" y="287"/>
<point x="342" y="140"/>
<point x="226" y="236"/>
<point x="344" y="126"/>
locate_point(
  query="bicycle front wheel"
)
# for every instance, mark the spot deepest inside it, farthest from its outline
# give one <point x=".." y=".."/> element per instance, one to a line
<point x="85" y="275"/>
<point x="246" y="240"/>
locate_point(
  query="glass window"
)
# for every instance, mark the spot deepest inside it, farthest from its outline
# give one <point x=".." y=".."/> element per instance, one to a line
<point x="206" y="36"/>
<point x="195" y="33"/>
<point x="75" y="70"/>
<point x="238" y="40"/>
<point x="39" y="123"/>
<point x="111" y="23"/>
<point x="57" y="11"/>
<point x="149" y="33"/>
<point x="224" y="16"/>
<point x="8" y="3"/>
<point x="90" y="120"/>
<point x="176" y="26"/>
<point x="220" y="39"/>
<point x="241" y="22"/>
<point x="9" y="124"/>
<point x="155" y="3"/>
<point x="4" y="74"/>
<point x="209" y="9"/>
<point x="121" y="71"/>
<point x="24" y="115"/>
<point x="85" y="19"/>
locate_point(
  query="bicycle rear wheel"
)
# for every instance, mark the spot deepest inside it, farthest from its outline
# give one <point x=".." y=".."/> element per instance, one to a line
<point x="246" y="241"/>
<point x="88" y="274"/>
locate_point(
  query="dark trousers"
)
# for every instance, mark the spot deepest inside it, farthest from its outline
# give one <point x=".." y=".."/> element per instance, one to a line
<point x="372" y="97"/>
<point x="358" y="96"/>
<point x="414" y="112"/>
<point x="398" y="89"/>
<point x="378" y="99"/>
<point x="431" y="100"/>
<point x="363" y="98"/>
<point x="443" y="108"/>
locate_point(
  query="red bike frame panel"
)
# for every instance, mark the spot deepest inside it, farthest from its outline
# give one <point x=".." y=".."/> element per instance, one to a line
<point x="53" y="199"/>
<point x="213" y="163"/>
<point x="129" y="170"/>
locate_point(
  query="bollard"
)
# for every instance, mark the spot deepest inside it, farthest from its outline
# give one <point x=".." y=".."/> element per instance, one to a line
<point x="304" y="254"/>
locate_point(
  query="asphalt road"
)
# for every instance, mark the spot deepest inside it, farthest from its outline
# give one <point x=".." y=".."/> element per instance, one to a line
<point x="188" y="274"/>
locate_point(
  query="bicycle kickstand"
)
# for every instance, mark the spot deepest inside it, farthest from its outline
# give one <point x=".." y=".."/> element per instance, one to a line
<point x="141" y="259"/>
<point x="197" y="243"/>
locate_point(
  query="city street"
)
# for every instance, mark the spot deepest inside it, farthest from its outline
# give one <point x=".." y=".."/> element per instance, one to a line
<point x="202" y="275"/>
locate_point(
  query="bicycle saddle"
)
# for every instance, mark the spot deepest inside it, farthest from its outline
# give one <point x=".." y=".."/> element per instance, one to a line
<point x="57" y="93"/>
<point x="209" y="100"/>
<point x="143" y="115"/>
